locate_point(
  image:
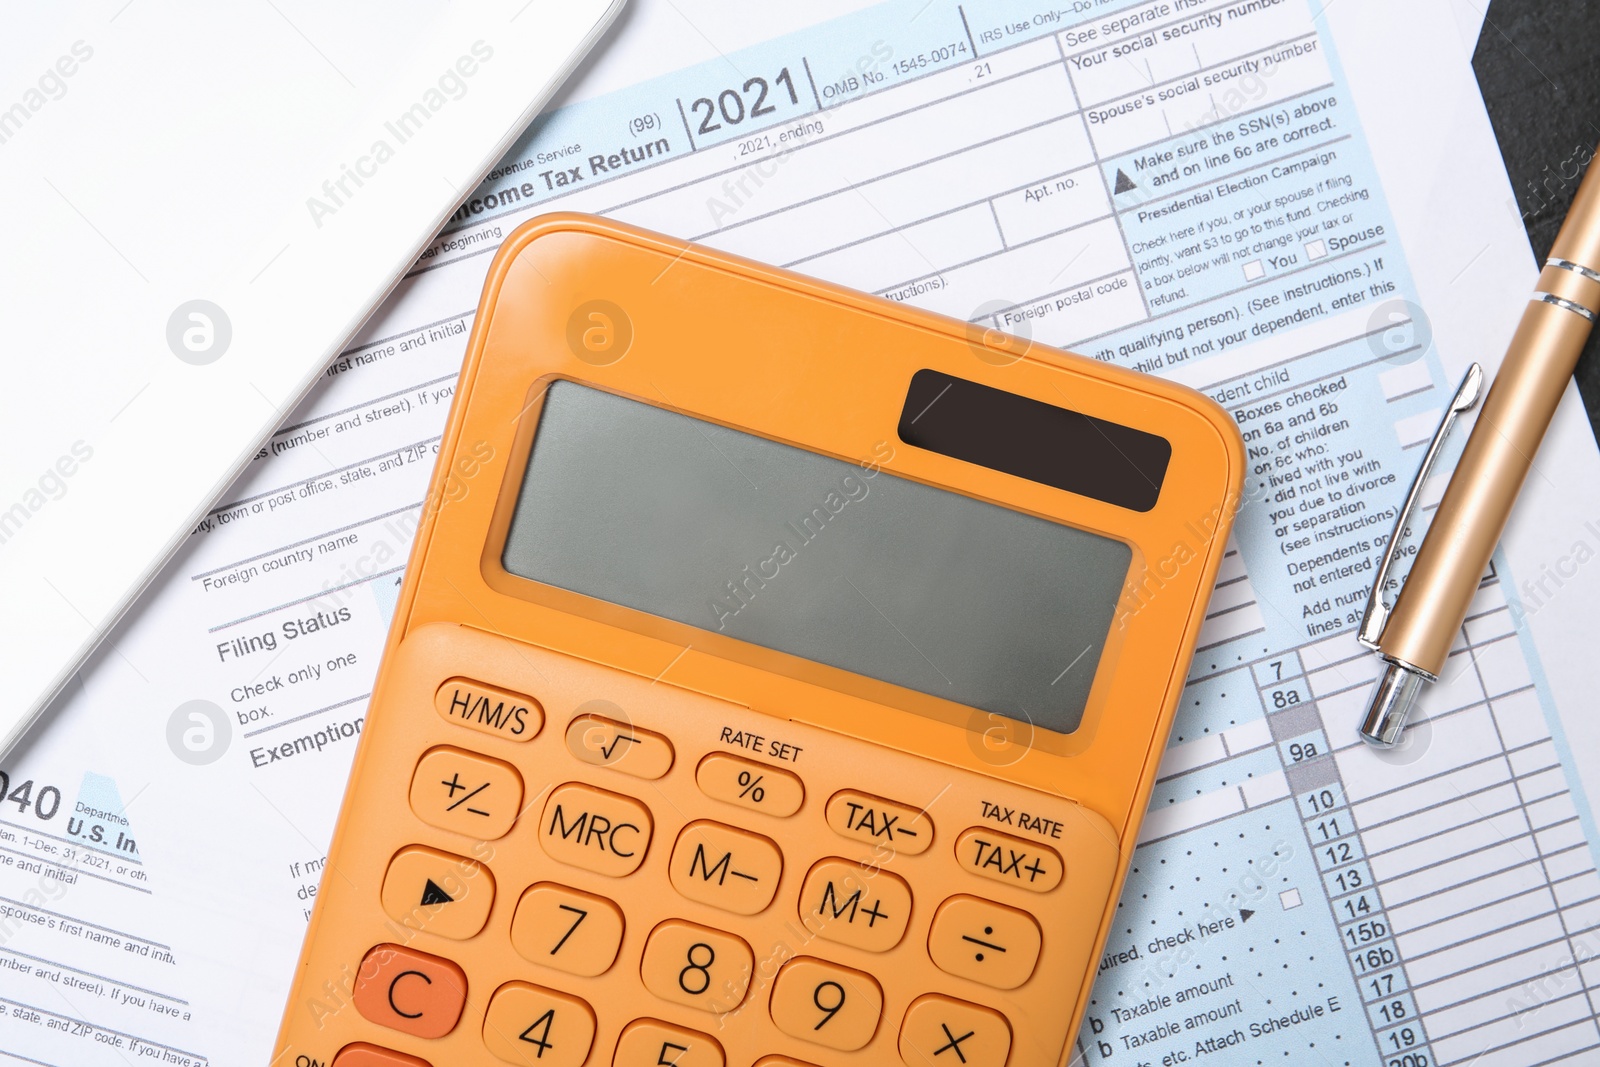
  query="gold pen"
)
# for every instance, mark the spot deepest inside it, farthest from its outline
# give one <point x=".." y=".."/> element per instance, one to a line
<point x="1414" y="636"/>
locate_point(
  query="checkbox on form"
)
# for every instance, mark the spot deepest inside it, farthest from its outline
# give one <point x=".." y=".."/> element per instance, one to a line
<point x="1316" y="249"/>
<point x="1290" y="899"/>
<point x="1253" y="270"/>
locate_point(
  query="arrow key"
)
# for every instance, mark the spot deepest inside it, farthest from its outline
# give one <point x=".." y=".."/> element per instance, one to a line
<point x="435" y="891"/>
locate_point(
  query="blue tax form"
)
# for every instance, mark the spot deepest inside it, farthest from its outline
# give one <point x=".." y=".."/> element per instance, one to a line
<point x="1295" y="208"/>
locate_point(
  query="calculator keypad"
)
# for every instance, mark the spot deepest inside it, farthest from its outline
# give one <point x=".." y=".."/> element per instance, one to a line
<point x="943" y="1030"/>
<point x="489" y="710"/>
<point x="597" y="830"/>
<point x="855" y="904"/>
<point x="435" y="891"/>
<point x="410" y="991"/>
<point x="533" y="1026"/>
<point x="653" y="856"/>
<point x="696" y="966"/>
<point x="875" y="821"/>
<point x="748" y="784"/>
<point x="621" y="746"/>
<point x="650" y="1043"/>
<point x="1010" y="860"/>
<point x="365" y="1055"/>
<point x="559" y="927"/>
<point x="984" y="941"/>
<point x="729" y="869"/>
<point x="466" y="793"/>
<point x="813" y="1000"/>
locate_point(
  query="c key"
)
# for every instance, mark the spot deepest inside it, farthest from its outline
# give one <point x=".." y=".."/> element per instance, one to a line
<point x="410" y="991"/>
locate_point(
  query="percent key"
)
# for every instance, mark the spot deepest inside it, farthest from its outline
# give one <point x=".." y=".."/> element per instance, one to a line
<point x="750" y="785"/>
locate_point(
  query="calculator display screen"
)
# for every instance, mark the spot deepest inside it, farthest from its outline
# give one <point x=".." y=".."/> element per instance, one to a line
<point x="840" y="563"/>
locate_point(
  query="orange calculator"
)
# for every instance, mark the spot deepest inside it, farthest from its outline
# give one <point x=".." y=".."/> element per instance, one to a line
<point x="779" y="679"/>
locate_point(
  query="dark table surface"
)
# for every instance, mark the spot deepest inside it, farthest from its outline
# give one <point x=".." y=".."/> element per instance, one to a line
<point x="1538" y="63"/>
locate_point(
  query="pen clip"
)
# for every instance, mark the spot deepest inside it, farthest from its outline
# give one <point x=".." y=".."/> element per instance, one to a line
<point x="1376" y="616"/>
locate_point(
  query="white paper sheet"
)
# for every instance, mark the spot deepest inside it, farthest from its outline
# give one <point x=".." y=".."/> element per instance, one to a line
<point x="158" y="856"/>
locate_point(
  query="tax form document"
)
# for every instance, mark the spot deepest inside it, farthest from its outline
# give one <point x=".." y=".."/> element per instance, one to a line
<point x="1297" y="209"/>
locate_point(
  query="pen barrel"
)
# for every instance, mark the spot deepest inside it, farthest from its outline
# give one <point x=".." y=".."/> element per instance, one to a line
<point x="1579" y="239"/>
<point x="1472" y="515"/>
<point x="1495" y="462"/>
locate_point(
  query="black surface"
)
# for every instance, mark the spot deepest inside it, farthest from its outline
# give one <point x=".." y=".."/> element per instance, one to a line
<point x="1031" y="439"/>
<point x="1538" y="63"/>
